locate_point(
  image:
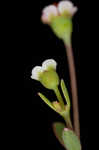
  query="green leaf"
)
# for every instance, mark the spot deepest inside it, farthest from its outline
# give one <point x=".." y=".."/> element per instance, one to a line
<point x="47" y="101"/>
<point x="58" y="130"/>
<point x="71" y="141"/>
<point x="65" y="92"/>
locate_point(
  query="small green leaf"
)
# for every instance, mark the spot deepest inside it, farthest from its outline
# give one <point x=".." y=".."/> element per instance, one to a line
<point x="65" y="92"/>
<point x="47" y="101"/>
<point x="58" y="130"/>
<point x="71" y="141"/>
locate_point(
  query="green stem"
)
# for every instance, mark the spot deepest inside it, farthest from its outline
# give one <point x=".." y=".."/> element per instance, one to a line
<point x="59" y="97"/>
<point x="68" y="121"/>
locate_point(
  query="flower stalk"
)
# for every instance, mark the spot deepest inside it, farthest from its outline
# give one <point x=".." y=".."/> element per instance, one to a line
<point x="73" y="83"/>
<point x="59" y="97"/>
<point x="67" y="119"/>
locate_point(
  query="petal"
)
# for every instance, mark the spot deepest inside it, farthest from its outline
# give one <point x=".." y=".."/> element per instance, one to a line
<point x="74" y="10"/>
<point x="66" y="6"/>
<point x="49" y="63"/>
<point x="35" y="72"/>
<point x="48" y="12"/>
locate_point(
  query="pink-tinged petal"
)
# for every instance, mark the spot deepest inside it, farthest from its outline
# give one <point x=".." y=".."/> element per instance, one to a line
<point x="48" y="12"/>
<point x="74" y="10"/>
<point x="66" y="129"/>
<point x="66" y="6"/>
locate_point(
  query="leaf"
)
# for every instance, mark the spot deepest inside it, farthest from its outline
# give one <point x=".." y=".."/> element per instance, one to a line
<point x="47" y="101"/>
<point x="71" y="141"/>
<point x="58" y="128"/>
<point x="65" y="92"/>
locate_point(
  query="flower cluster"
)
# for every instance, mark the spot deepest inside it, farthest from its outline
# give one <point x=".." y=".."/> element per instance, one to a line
<point x="59" y="18"/>
<point x="65" y="8"/>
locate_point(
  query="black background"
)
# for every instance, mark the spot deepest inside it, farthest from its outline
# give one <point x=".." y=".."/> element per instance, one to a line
<point x="39" y="44"/>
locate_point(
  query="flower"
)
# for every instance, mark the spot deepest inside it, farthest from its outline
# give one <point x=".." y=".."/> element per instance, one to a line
<point x="59" y="17"/>
<point x="65" y="8"/>
<point x="36" y="71"/>
<point x="46" y="74"/>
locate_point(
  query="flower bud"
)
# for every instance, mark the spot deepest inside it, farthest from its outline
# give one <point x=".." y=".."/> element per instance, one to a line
<point x="57" y="106"/>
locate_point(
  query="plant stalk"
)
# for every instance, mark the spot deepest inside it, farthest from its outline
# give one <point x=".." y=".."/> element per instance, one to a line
<point x="73" y="83"/>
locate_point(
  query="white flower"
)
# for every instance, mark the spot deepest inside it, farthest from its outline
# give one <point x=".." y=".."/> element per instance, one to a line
<point x="63" y="7"/>
<point x="49" y="63"/>
<point x="67" y="6"/>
